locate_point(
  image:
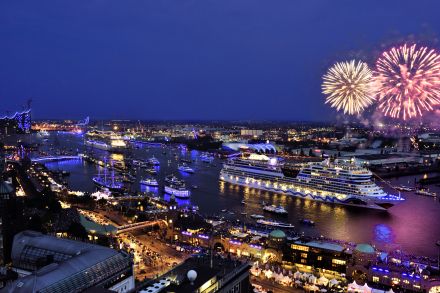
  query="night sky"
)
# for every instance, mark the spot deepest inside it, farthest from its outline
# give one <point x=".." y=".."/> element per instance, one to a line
<point x="192" y="59"/>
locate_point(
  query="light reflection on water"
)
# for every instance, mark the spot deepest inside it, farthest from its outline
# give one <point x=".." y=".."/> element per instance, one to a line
<point x="412" y="225"/>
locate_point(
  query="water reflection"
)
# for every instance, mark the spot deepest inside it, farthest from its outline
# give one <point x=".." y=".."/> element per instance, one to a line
<point x="383" y="233"/>
<point x="179" y="201"/>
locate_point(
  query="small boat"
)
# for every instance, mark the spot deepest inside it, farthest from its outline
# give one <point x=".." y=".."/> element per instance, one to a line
<point x="243" y="213"/>
<point x="273" y="223"/>
<point x="307" y="222"/>
<point x="256" y="216"/>
<point x="231" y="213"/>
<point x="275" y="209"/>
<point x="150" y="182"/>
<point x="243" y="202"/>
<point x="206" y="157"/>
<point x="153" y="161"/>
<point x="194" y="187"/>
<point x="185" y="161"/>
<point x="403" y="188"/>
<point x="426" y="192"/>
<point x="185" y="168"/>
<point x="151" y="171"/>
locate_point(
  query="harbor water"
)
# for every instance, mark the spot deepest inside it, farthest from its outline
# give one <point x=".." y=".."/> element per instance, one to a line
<point x="411" y="226"/>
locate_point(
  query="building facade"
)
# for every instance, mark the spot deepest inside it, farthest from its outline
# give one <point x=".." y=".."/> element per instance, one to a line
<point x="20" y="122"/>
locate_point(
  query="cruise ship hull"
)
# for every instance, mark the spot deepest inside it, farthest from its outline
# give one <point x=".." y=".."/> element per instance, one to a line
<point x="371" y="203"/>
<point x="102" y="146"/>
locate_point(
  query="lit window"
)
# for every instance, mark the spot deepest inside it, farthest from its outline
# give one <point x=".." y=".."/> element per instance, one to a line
<point x="338" y="261"/>
<point x="375" y="279"/>
<point x="299" y="247"/>
<point x="304" y="255"/>
<point x="319" y="258"/>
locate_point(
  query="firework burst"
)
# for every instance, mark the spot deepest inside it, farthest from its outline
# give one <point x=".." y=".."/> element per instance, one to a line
<point x="348" y="87"/>
<point x="407" y="80"/>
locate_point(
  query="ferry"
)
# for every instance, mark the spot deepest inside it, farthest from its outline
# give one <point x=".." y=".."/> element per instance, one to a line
<point x="336" y="182"/>
<point x="150" y="182"/>
<point x="426" y="192"/>
<point x="176" y="187"/>
<point x="275" y="209"/>
<point x="185" y="168"/>
<point x="268" y="222"/>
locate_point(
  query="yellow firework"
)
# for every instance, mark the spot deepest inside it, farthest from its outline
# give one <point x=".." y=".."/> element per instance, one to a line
<point x="348" y="86"/>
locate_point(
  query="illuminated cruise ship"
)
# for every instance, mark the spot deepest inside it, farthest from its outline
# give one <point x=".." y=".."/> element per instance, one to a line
<point x="339" y="182"/>
<point x="107" y="141"/>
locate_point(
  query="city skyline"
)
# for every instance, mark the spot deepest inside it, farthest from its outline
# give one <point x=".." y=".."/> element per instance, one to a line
<point x="193" y="61"/>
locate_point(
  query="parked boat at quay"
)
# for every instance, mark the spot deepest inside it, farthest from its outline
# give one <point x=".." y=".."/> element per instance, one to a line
<point x="426" y="192"/>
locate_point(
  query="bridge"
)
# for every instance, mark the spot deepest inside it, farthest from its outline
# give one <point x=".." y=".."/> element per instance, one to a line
<point x="140" y="225"/>
<point x="54" y="159"/>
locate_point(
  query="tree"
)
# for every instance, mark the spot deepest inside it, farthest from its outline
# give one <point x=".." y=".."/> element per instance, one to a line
<point x="77" y="230"/>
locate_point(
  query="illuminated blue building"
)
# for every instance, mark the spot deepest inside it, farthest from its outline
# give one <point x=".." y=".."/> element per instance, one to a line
<point x="20" y="122"/>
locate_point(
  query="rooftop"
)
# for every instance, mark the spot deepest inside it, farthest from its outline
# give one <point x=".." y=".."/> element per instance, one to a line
<point x="222" y="268"/>
<point x="323" y="245"/>
<point x="66" y="263"/>
<point x="365" y="248"/>
<point x="277" y="234"/>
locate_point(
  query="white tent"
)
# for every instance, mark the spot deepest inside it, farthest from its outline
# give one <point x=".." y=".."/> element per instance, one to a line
<point x="334" y="282"/>
<point x="366" y="288"/>
<point x="268" y="273"/>
<point x="297" y="275"/>
<point x="391" y="290"/>
<point x="354" y="287"/>
<point x="323" y="280"/>
<point x="312" y="279"/>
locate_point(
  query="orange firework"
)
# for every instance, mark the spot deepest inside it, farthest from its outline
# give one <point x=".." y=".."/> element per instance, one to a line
<point x="407" y="81"/>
